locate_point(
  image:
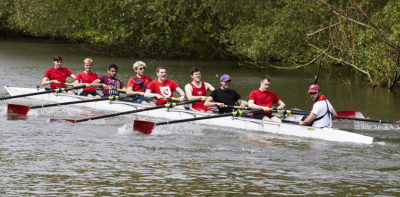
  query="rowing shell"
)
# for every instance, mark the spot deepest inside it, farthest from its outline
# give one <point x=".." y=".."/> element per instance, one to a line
<point x="240" y="123"/>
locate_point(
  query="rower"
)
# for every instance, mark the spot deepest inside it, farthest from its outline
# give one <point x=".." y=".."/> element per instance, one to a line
<point x="262" y="98"/>
<point x="57" y="75"/>
<point x="322" y="112"/>
<point x="109" y="83"/>
<point x="197" y="89"/>
<point x="139" y="83"/>
<point x="163" y="88"/>
<point x="224" y="96"/>
<point x="87" y="77"/>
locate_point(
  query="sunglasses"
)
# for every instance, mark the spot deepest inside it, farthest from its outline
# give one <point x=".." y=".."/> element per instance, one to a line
<point x="143" y="68"/>
<point x="312" y="93"/>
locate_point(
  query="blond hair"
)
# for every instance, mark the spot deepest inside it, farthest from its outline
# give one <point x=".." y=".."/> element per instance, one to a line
<point x="137" y="64"/>
<point x="88" y="60"/>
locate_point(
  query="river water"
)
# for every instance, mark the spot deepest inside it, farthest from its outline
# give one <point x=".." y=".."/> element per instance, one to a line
<point x="106" y="158"/>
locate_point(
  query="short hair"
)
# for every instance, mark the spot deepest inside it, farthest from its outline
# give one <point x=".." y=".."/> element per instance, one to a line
<point x="194" y="69"/>
<point x="112" y="66"/>
<point x="159" y="68"/>
<point x="137" y="64"/>
<point x="265" y="77"/>
<point x="88" y="60"/>
<point x="57" y="58"/>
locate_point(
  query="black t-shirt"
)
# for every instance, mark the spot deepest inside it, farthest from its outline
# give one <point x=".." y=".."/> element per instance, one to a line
<point x="228" y="97"/>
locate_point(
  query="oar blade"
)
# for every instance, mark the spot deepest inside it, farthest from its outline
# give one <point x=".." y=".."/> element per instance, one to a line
<point x="62" y="120"/>
<point x="398" y="123"/>
<point x="145" y="127"/>
<point x="17" y="109"/>
<point x="348" y="113"/>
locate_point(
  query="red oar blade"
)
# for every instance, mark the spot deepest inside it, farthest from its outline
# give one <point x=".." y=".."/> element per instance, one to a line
<point x="17" y="109"/>
<point x="349" y="113"/>
<point x="144" y="127"/>
<point x="62" y="120"/>
<point x="398" y="123"/>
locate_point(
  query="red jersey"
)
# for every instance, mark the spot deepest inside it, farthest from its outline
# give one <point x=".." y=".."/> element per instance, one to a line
<point x="83" y="77"/>
<point x="265" y="99"/>
<point x="165" y="89"/>
<point x="199" y="92"/>
<point x="135" y="86"/>
<point x="60" y="75"/>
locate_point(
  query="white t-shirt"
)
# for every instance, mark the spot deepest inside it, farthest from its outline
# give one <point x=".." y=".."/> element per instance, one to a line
<point x="319" y="109"/>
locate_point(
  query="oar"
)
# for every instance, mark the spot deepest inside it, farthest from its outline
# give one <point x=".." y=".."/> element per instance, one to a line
<point x="57" y="90"/>
<point x="168" y="105"/>
<point x="23" y="109"/>
<point x="146" y="127"/>
<point x="300" y="112"/>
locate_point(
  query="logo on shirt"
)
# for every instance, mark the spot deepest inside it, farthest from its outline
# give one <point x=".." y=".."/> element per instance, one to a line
<point x="166" y="91"/>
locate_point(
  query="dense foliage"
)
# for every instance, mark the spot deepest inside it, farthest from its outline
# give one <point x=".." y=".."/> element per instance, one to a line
<point x="362" y="34"/>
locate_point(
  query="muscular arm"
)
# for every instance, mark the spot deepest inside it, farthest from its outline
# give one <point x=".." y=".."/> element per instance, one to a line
<point x="47" y="81"/>
<point x="252" y="105"/>
<point x="72" y="76"/>
<point x="210" y="103"/>
<point x="281" y="104"/>
<point x="308" y="120"/>
<point x="97" y="83"/>
<point x="149" y="94"/>
<point x="209" y="87"/>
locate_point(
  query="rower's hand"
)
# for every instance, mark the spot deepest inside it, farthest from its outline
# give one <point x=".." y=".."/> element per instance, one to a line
<point x="160" y="97"/>
<point x="54" y="81"/>
<point x="266" y="108"/>
<point x="242" y="106"/>
<point x="280" y="107"/>
<point x="219" y="104"/>
<point x="105" y="86"/>
<point x="182" y="98"/>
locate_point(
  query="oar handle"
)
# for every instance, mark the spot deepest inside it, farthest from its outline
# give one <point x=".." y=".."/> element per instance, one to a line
<point x="67" y="84"/>
<point x="119" y="90"/>
<point x="235" y="107"/>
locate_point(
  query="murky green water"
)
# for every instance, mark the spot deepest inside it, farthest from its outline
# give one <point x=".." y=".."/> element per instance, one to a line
<point x="105" y="158"/>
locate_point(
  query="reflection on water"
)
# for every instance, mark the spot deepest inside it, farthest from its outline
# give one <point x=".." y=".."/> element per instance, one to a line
<point x="104" y="157"/>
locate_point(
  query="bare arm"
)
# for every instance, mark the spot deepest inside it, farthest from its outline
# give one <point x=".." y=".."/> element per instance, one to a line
<point x="210" y="103"/>
<point x="181" y="92"/>
<point x="252" y="105"/>
<point x="72" y="76"/>
<point x="239" y="102"/>
<point x="47" y="81"/>
<point x="189" y="95"/>
<point x="209" y="87"/>
<point x="97" y="83"/>
<point x="281" y="104"/>
<point x="308" y="120"/>
<point x="334" y="113"/>
<point x="149" y="94"/>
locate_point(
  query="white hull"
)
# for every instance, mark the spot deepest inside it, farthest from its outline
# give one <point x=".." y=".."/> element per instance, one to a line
<point x="236" y="123"/>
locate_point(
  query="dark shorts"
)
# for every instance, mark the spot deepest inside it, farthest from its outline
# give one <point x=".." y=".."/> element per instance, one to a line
<point x="260" y="116"/>
<point x="93" y="93"/>
<point x="140" y="99"/>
